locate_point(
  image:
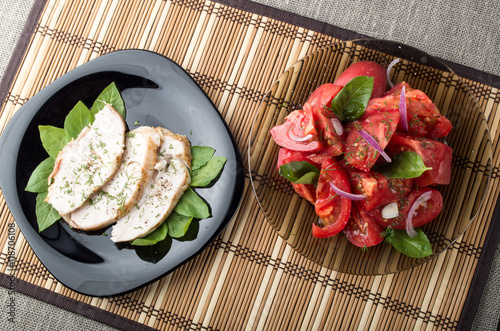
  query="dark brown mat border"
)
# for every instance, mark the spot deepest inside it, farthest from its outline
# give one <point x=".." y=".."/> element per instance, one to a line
<point x="481" y="275"/>
<point x="72" y="305"/>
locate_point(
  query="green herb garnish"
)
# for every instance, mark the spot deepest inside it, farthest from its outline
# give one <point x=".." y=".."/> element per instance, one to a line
<point x="350" y="103"/>
<point x="417" y="247"/>
<point x="407" y="164"/>
<point x="300" y="172"/>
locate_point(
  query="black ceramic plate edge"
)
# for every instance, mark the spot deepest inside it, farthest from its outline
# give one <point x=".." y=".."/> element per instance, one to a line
<point x="13" y="135"/>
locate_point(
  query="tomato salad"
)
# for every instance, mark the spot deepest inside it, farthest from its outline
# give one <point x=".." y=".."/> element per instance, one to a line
<point x="367" y="159"/>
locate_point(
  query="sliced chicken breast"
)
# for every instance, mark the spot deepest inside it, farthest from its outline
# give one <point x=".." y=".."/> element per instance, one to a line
<point x="85" y="164"/>
<point x="161" y="193"/>
<point x="122" y="192"/>
<point x="159" y="198"/>
<point x="175" y="145"/>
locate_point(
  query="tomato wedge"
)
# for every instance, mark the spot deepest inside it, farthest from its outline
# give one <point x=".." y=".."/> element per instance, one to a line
<point x="379" y="104"/>
<point x="381" y="125"/>
<point x="286" y="155"/>
<point x="424" y="118"/>
<point x="299" y="124"/>
<point x="435" y="155"/>
<point x="318" y="103"/>
<point x="332" y="209"/>
<point x="322" y="97"/>
<point x="306" y="191"/>
<point x="361" y="230"/>
<point x="333" y="143"/>
<point x="379" y="190"/>
<point x="424" y="214"/>
<point x="365" y="68"/>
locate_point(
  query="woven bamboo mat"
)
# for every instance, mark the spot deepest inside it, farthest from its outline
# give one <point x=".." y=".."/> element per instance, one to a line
<point x="248" y="277"/>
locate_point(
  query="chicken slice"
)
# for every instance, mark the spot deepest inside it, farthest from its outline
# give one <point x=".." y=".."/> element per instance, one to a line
<point x="87" y="162"/>
<point x="159" y="198"/>
<point x="161" y="193"/>
<point x="175" y="145"/>
<point x="122" y="192"/>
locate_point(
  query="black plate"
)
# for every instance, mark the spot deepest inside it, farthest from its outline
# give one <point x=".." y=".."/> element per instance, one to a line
<point x="156" y="92"/>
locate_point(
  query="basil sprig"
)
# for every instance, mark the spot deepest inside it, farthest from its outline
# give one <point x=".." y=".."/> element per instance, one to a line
<point x="350" y="103"/>
<point x="53" y="139"/>
<point x="111" y="96"/>
<point x="38" y="181"/>
<point x="154" y="237"/>
<point x="46" y="215"/>
<point x="417" y="247"/>
<point x="201" y="155"/>
<point x="202" y="177"/>
<point x="407" y="164"/>
<point x="76" y="120"/>
<point x="300" y="172"/>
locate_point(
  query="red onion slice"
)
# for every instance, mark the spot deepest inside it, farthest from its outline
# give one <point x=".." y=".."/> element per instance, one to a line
<point x="337" y="126"/>
<point x="409" y="220"/>
<point x="389" y="70"/>
<point x="347" y="195"/>
<point x="372" y="142"/>
<point x="294" y="137"/>
<point x="403" y="114"/>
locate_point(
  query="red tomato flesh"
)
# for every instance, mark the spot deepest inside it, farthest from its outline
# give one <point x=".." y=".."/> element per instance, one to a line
<point x="361" y="230"/>
<point x="381" y="125"/>
<point x="435" y="155"/>
<point x="318" y="103"/>
<point x="322" y="97"/>
<point x="298" y="123"/>
<point x="287" y="155"/>
<point x="366" y="68"/>
<point x="379" y="189"/>
<point x="333" y="144"/>
<point x="423" y="215"/>
<point x="424" y="118"/>
<point x="332" y="209"/>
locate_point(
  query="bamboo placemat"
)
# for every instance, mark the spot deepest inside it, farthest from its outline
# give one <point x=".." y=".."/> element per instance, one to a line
<point x="249" y="277"/>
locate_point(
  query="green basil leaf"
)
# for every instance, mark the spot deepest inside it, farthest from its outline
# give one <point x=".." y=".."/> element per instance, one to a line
<point x="407" y="164"/>
<point x="76" y="120"/>
<point x="178" y="224"/>
<point x="201" y="156"/>
<point x="154" y="237"/>
<point x="53" y="139"/>
<point x="203" y="176"/>
<point x="350" y="103"/>
<point x="110" y="95"/>
<point x="45" y="214"/>
<point x="300" y="172"/>
<point x="38" y="181"/>
<point x="192" y="232"/>
<point x="417" y="247"/>
<point x="192" y="205"/>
